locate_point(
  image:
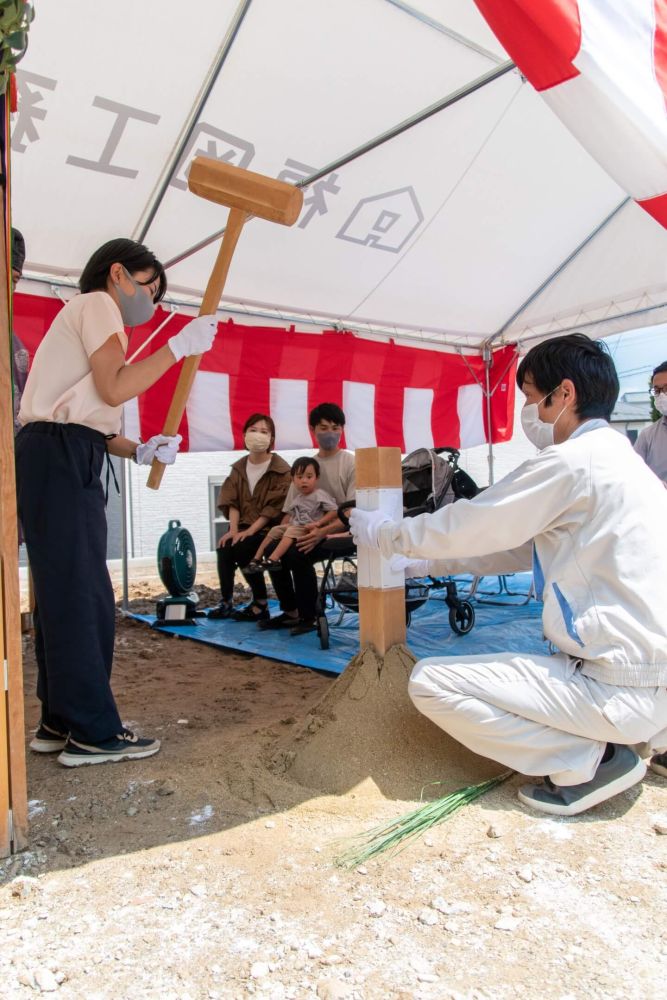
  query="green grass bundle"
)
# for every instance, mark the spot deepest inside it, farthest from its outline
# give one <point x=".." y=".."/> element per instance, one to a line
<point x="396" y="835"/>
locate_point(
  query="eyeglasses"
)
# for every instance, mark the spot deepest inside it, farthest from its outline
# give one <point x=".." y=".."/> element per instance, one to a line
<point x="659" y="390"/>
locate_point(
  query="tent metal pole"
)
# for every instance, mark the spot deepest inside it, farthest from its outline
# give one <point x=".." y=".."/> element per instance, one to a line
<point x="189" y="126"/>
<point x="561" y="267"/>
<point x="433" y="109"/>
<point x="488" y="361"/>
<point x="290" y="314"/>
<point x="430" y="22"/>
<point x="594" y="322"/>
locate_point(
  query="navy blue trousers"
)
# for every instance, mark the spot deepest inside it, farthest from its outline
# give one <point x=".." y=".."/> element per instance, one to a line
<point x="61" y="506"/>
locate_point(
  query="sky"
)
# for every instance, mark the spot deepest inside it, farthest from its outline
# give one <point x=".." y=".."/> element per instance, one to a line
<point x="636" y="353"/>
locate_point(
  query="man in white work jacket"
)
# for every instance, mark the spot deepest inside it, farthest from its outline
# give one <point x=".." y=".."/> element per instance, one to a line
<point x="587" y="514"/>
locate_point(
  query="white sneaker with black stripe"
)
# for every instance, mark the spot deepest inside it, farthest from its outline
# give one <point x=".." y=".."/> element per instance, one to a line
<point x="125" y="746"/>
<point x="47" y="740"/>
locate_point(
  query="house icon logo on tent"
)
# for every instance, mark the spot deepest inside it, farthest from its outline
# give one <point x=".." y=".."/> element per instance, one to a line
<point x="384" y="221"/>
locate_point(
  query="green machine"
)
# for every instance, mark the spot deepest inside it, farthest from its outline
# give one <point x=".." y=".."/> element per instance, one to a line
<point x="177" y="566"/>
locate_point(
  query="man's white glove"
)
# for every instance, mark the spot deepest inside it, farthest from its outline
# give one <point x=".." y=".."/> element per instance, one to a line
<point x="411" y="567"/>
<point x="160" y="446"/>
<point x="195" y="338"/>
<point x="365" y="526"/>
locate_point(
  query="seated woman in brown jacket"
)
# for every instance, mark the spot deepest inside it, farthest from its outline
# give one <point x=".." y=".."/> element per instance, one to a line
<point x="252" y="497"/>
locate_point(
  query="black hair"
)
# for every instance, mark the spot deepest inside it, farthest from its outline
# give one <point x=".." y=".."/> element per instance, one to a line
<point x="303" y="463"/>
<point x="587" y="363"/>
<point x="18" y="251"/>
<point x="133" y="256"/>
<point x="326" y="411"/>
<point x="254" y="418"/>
<point x="659" y="370"/>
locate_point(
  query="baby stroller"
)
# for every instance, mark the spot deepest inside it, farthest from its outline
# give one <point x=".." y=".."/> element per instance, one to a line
<point x="431" y="479"/>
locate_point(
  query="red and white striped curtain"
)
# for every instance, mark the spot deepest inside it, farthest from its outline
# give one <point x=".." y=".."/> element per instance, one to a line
<point x="601" y="65"/>
<point x="391" y="395"/>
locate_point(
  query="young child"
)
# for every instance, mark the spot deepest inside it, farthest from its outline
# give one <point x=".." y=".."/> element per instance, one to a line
<point x="308" y="506"/>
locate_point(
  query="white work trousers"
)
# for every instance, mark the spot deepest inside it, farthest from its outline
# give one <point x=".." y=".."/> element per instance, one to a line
<point x="537" y="714"/>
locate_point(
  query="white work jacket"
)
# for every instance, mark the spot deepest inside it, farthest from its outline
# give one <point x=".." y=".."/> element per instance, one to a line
<point x="591" y="519"/>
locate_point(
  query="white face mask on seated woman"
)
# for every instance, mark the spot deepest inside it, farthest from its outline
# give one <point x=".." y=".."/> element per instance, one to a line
<point x="257" y="441"/>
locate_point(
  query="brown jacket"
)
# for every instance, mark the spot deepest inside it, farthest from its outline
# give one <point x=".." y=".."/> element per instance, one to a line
<point x="268" y="497"/>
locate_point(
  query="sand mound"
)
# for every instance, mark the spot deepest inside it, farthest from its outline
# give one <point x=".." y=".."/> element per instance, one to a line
<point x="367" y="727"/>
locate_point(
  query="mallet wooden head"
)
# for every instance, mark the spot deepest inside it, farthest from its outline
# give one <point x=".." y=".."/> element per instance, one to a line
<point x="253" y="193"/>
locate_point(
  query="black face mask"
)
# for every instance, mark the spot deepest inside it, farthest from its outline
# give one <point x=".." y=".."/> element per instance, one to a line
<point x="328" y="440"/>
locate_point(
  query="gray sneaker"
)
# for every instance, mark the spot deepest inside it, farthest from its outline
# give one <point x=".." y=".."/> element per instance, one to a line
<point x="623" y="770"/>
<point x="658" y="763"/>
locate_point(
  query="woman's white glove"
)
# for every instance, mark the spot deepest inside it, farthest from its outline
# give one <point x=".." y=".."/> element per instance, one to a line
<point x="160" y="446"/>
<point x="411" y="567"/>
<point x="365" y="526"/>
<point x="195" y="338"/>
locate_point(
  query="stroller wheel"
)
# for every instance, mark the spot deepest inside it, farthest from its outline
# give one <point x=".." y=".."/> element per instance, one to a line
<point x="462" y="618"/>
<point x="323" y="631"/>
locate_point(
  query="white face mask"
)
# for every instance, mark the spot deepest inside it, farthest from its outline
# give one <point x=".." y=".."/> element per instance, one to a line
<point x="257" y="441"/>
<point x="539" y="432"/>
<point x="661" y="404"/>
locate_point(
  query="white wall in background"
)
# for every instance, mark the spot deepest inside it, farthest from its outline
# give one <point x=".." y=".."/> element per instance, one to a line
<point x="184" y="493"/>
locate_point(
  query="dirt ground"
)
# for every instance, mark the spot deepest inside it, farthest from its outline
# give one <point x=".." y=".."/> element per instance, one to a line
<point x="204" y="872"/>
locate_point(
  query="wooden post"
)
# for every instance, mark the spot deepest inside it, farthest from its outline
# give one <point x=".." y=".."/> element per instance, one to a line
<point x="13" y="785"/>
<point x="381" y="591"/>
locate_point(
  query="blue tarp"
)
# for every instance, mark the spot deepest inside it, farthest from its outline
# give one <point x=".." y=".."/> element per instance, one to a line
<point x="513" y="627"/>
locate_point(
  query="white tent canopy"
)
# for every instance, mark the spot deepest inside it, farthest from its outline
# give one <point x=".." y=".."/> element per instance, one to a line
<point x="486" y="221"/>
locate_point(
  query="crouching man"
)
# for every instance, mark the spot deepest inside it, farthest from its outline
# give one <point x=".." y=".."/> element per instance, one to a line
<point x="591" y="519"/>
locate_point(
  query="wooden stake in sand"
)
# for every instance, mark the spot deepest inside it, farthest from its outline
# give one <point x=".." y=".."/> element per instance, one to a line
<point x="381" y="591"/>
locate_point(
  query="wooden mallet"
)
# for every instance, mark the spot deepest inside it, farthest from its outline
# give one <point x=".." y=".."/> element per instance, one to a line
<point x="246" y="194"/>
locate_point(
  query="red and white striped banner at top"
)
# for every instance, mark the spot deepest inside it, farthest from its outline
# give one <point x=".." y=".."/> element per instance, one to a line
<point x="601" y="65"/>
<point x="391" y="395"/>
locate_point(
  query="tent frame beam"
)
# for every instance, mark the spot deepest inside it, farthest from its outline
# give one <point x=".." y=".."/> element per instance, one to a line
<point x="558" y="270"/>
<point x="379" y="140"/>
<point x="154" y="203"/>
<point x="455" y="36"/>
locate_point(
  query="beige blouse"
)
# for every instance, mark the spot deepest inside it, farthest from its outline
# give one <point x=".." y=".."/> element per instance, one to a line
<point x="60" y="385"/>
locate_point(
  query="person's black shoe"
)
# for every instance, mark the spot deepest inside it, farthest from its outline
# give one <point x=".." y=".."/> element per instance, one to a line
<point x="254" y="567"/>
<point x="303" y="626"/>
<point x="222" y="610"/>
<point x="47" y="740"/>
<point x="269" y="564"/>
<point x="657" y="763"/>
<point x="125" y="746"/>
<point x="623" y="770"/>
<point x="252" y="613"/>
<point x="280" y="621"/>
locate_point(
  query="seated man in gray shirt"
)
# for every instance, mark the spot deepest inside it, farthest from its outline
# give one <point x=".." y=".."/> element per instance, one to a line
<point x="652" y="441"/>
<point x="295" y="583"/>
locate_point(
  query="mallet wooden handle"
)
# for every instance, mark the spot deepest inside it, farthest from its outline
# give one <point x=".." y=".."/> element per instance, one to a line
<point x="209" y="307"/>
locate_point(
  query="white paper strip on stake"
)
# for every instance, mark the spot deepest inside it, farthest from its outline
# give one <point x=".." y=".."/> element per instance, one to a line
<point x="469" y="406"/>
<point x="417" y="431"/>
<point x="359" y="408"/>
<point x="288" y="401"/>
<point x="131" y="426"/>
<point x="209" y="418"/>
<point x="373" y="570"/>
